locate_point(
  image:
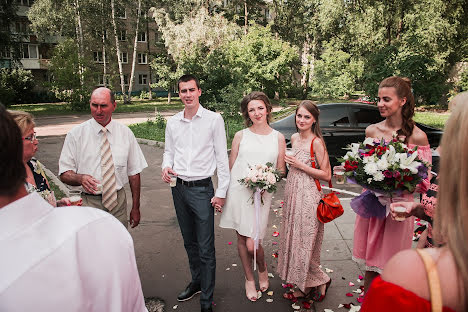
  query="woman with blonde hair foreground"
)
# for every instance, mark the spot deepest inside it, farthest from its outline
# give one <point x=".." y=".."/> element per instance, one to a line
<point x="414" y="280"/>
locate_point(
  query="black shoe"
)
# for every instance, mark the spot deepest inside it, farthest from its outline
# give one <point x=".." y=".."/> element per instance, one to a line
<point x="209" y="309"/>
<point x="189" y="292"/>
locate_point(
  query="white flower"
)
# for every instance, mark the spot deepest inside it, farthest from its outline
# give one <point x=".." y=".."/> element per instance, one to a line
<point x="409" y="162"/>
<point x="369" y="180"/>
<point x="370" y="168"/>
<point x="368" y="141"/>
<point x="253" y="179"/>
<point x="382" y="163"/>
<point x="378" y="176"/>
<point x="271" y="178"/>
<point x="252" y="173"/>
<point x="354" y="148"/>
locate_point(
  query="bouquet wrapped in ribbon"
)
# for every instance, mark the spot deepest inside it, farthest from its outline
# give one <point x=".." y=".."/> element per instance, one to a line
<point x="384" y="168"/>
<point x="260" y="178"/>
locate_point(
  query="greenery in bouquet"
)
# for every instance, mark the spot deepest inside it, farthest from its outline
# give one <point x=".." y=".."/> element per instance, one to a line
<point x="385" y="167"/>
<point x="261" y="176"/>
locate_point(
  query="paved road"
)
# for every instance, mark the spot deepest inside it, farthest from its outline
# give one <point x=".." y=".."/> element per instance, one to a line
<point x="161" y="257"/>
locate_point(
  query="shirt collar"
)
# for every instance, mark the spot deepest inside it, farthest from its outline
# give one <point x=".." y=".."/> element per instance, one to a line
<point x="21" y="213"/>
<point x="199" y="113"/>
<point x="97" y="128"/>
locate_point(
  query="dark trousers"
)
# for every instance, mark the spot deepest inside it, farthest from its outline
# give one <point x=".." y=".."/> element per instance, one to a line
<point x="196" y="220"/>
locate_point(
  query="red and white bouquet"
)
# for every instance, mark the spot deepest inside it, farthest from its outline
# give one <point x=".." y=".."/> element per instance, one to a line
<point x="263" y="177"/>
<point x="385" y="168"/>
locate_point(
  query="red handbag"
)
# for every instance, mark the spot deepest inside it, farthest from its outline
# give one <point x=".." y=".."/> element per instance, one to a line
<point x="329" y="207"/>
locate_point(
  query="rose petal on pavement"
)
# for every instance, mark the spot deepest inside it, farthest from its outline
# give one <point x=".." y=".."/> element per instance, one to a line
<point x="295" y="306"/>
<point x="349" y="295"/>
<point x="229" y="243"/>
<point x="306" y="305"/>
<point x="259" y="294"/>
<point x="271" y="275"/>
<point x="234" y="265"/>
<point x="175" y="307"/>
<point x="275" y="234"/>
<point x="270" y="293"/>
<point x="340" y="305"/>
<point x="274" y="226"/>
<point x="227" y="269"/>
<point x="274" y="243"/>
<point x="269" y="300"/>
<point x="361" y="277"/>
<point x="328" y="270"/>
<point x="360" y="299"/>
<point x="351" y="284"/>
<point x="357" y="291"/>
<point x="327" y="310"/>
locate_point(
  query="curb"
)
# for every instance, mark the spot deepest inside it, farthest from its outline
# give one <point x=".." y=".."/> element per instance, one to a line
<point x="57" y="181"/>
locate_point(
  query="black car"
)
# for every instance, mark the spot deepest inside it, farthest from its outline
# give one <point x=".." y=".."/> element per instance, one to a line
<point x="345" y="123"/>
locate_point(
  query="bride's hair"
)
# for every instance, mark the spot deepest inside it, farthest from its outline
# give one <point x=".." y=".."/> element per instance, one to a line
<point x="451" y="214"/>
<point x="313" y="109"/>
<point x="255" y="95"/>
<point x="402" y="87"/>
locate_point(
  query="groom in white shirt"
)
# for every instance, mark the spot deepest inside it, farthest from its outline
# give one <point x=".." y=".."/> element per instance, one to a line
<point x="195" y="146"/>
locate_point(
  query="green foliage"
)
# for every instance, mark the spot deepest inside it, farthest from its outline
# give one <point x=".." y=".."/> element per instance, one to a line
<point x="16" y="86"/>
<point x="463" y="83"/>
<point x="335" y="74"/>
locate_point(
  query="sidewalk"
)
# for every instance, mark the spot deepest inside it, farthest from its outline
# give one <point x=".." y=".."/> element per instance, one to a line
<point x="162" y="260"/>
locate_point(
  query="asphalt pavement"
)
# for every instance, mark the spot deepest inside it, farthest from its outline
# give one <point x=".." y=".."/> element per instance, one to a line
<point x="160" y="254"/>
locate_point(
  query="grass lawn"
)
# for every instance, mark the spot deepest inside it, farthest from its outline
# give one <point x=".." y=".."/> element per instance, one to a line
<point x="433" y="119"/>
<point x="49" y="109"/>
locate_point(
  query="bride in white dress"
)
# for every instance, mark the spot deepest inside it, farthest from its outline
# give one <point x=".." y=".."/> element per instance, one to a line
<point x="257" y="144"/>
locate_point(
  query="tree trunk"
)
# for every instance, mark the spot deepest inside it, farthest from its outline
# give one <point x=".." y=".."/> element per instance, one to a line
<point x="150" y="81"/>
<point x="246" y="15"/>
<point x="169" y="95"/>
<point x="305" y="62"/>
<point x="117" y="48"/>
<point x="135" y="45"/>
<point x="79" y="37"/>
<point x="104" y="58"/>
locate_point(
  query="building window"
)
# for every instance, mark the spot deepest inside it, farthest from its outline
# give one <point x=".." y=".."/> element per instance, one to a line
<point x="124" y="57"/>
<point x="101" y="80"/>
<point x="142" y="36"/>
<point x="30" y="51"/>
<point x="21" y="27"/>
<point x="5" y="53"/>
<point x="142" y="79"/>
<point x="126" y="80"/>
<point x="142" y="58"/>
<point x="98" y="57"/>
<point x="122" y="35"/>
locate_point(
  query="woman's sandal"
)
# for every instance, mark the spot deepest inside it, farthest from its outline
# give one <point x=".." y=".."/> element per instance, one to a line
<point x="317" y="296"/>
<point x="250" y="290"/>
<point x="263" y="280"/>
<point x="292" y="297"/>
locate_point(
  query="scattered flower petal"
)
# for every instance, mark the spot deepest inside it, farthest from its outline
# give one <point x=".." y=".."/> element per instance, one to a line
<point x="360" y="299"/>
<point x="269" y="300"/>
<point x="327" y="310"/>
<point x="328" y="270"/>
<point x="295" y="306"/>
<point x="340" y="305"/>
<point x="359" y="280"/>
<point x="175" y="307"/>
<point x="347" y="305"/>
<point x="274" y="243"/>
<point x="361" y="277"/>
<point x="357" y="291"/>
<point x="259" y="294"/>
<point x="271" y="275"/>
<point x="229" y="243"/>
<point x="306" y="305"/>
<point x="328" y="250"/>
<point x="275" y="234"/>
<point x="351" y="284"/>
<point x="274" y="226"/>
<point x="227" y="269"/>
<point x="275" y="255"/>
<point x="234" y="265"/>
<point x="270" y="293"/>
<point x="349" y="294"/>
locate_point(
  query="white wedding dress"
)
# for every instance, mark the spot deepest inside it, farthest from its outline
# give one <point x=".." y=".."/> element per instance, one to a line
<point x="238" y="212"/>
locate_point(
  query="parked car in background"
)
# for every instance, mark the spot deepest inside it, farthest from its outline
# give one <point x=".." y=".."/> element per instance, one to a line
<point x="345" y="123"/>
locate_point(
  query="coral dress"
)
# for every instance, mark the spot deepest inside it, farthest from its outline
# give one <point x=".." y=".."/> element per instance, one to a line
<point x="301" y="233"/>
<point x="238" y="211"/>
<point x="377" y="240"/>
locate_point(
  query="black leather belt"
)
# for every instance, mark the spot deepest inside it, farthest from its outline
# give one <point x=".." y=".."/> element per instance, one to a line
<point x="203" y="182"/>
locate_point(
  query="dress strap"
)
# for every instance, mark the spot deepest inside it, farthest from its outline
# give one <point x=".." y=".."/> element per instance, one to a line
<point x="433" y="280"/>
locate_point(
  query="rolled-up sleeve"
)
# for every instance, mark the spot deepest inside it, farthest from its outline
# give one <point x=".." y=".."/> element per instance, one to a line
<point x="222" y="162"/>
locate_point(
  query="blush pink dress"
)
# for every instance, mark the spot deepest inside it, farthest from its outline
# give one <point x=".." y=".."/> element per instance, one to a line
<point x="377" y="240"/>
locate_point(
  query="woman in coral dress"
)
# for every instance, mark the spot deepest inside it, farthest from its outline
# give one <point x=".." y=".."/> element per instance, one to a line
<point x="257" y="144"/>
<point x="302" y="233"/>
<point x="377" y="240"/>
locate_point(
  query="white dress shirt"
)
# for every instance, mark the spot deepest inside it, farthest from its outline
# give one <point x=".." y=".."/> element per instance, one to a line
<point x="81" y="152"/>
<point x="65" y="259"/>
<point x="195" y="148"/>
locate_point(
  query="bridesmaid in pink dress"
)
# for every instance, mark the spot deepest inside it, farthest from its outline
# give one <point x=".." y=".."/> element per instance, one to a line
<point x="377" y="240"/>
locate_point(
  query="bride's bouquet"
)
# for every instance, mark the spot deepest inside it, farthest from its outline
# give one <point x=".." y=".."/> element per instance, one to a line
<point x="384" y="168"/>
<point x="262" y="177"/>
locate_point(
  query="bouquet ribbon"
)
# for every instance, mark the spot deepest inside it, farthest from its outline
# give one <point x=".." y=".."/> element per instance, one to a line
<point x="257" y="196"/>
<point x="371" y="204"/>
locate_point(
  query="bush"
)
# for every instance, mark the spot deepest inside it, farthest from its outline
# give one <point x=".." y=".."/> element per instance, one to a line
<point x="16" y="86"/>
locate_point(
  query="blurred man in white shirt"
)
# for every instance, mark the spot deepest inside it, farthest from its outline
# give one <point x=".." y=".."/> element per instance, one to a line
<point x="195" y="146"/>
<point x="59" y="259"/>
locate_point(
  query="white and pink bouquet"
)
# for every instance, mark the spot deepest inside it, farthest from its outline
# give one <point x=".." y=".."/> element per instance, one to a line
<point x="384" y="168"/>
<point x="262" y="177"/>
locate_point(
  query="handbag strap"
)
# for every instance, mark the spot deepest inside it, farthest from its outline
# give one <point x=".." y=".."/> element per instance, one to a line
<point x="433" y="280"/>
<point x="312" y="157"/>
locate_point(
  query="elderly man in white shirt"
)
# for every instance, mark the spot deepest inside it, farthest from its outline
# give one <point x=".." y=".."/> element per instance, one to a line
<point x="82" y="160"/>
<point x="195" y="147"/>
<point x="59" y="259"/>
